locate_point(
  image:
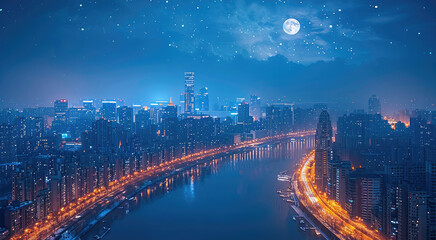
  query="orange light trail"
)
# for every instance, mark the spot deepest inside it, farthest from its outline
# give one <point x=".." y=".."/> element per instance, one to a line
<point x="327" y="211"/>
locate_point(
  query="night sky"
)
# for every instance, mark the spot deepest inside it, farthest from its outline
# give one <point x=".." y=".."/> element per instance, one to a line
<point x="345" y="51"/>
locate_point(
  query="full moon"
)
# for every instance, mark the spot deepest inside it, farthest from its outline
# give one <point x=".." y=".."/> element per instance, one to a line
<point x="291" y="26"/>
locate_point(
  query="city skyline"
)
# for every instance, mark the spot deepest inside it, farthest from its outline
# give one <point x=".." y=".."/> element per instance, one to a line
<point x="340" y="105"/>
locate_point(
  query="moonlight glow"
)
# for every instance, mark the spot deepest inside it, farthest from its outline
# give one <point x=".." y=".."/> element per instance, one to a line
<point x="291" y="26"/>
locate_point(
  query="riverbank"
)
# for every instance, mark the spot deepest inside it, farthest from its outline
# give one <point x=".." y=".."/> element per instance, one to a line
<point x="79" y="226"/>
<point x="127" y="197"/>
<point x="234" y="197"/>
<point x="325" y="211"/>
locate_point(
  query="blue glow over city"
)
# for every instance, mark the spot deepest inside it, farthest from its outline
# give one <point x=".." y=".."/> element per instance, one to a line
<point x="218" y="119"/>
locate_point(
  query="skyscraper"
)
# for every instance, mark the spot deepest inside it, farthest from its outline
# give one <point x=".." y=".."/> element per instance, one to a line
<point x="323" y="144"/>
<point x="142" y="119"/>
<point x="244" y="113"/>
<point x="279" y="119"/>
<point x="170" y="121"/>
<point x="89" y="109"/>
<point x="374" y="106"/>
<point x="255" y="107"/>
<point x="202" y="100"/>
<point x="189" y="92"/>
<point x="8" y="143"/>
<point x="417" y="215"/>
<point x="59" y="124"/>
<point x="101" y="137"/>
<point x="170" y="111"/>
<point x="125" y="118"/>
<point x="61" y="110"/>
<point x="109" y="110"/>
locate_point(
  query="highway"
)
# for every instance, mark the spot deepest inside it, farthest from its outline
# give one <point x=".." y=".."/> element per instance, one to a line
<point x="327" y="211"/>
<point x="86" y="206"/>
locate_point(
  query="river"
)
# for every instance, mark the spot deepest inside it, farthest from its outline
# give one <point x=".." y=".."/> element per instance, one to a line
<point x="233" y="197"/>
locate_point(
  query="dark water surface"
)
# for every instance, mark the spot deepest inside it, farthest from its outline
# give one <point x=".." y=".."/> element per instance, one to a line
<point x="229" y="198"/>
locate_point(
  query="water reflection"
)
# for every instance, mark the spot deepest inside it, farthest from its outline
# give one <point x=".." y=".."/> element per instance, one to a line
<point x="256" y="163"/>
<point x="190" y="191"/>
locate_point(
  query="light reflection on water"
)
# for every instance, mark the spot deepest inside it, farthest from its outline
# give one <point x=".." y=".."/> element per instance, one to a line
<point x="233" y="197"/>
<point x="190" y="190"/>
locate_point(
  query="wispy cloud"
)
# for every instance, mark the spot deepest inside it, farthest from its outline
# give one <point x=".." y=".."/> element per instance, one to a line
<point x="255" y="30"/>
<point x="228" y="29"/>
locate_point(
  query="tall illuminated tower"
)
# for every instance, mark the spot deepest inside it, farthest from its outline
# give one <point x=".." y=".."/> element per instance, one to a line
<point x="189" y="92"/>
<point x="323" y="145"/>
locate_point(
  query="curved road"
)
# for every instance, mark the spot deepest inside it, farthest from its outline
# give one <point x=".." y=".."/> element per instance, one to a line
<point x="328" y="212"/>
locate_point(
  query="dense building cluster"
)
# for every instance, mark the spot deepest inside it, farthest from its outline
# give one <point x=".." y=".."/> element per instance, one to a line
<point x="380" y="171"/>
<point x="52" y="156"/>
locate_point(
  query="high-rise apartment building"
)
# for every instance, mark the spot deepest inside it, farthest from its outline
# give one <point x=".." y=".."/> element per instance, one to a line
<point x="59" y="124"/>
<point x="323" y="144"/>
<point x="244" y="113"/>
<point x="125" y="118"/>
